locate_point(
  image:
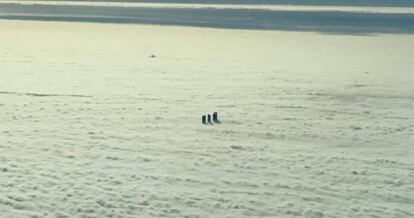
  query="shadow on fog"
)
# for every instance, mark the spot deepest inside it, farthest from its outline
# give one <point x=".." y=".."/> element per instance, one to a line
<point x="323" y="22"/>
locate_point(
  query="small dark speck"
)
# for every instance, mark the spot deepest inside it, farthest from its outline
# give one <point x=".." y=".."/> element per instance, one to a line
<point x="236" y="147"/>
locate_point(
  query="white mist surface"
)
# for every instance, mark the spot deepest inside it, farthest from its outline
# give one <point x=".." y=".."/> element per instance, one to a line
<point x="311" y="125"/>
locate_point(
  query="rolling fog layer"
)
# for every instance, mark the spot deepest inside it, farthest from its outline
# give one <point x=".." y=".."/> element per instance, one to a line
<point x="105" y="121"/>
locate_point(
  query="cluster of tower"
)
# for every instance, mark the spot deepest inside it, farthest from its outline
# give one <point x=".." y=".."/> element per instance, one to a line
<point x="206" y="119"/>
